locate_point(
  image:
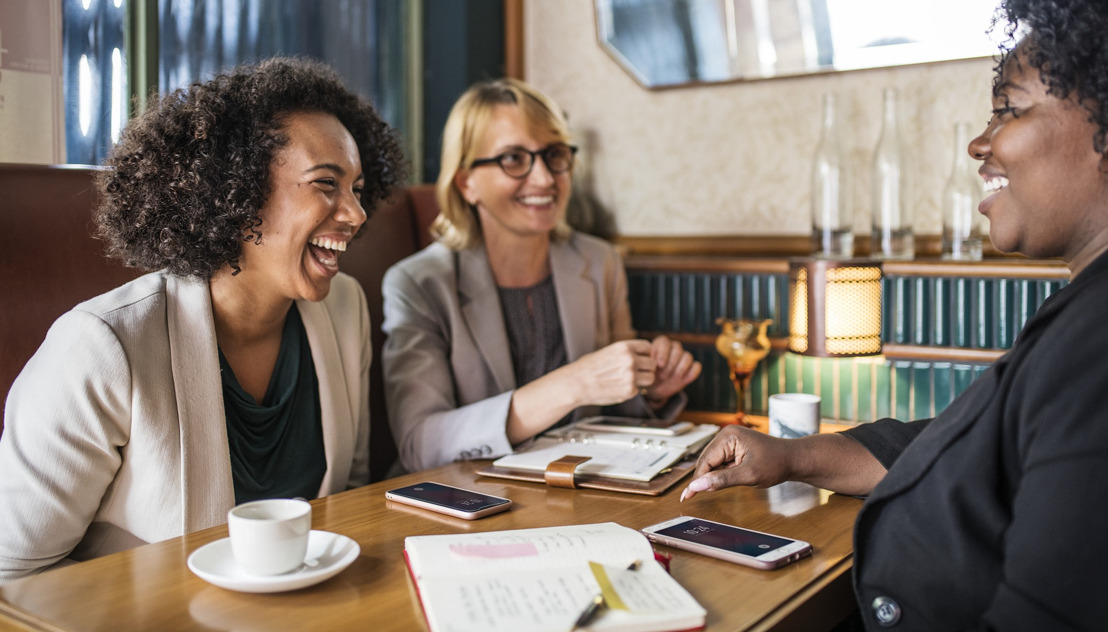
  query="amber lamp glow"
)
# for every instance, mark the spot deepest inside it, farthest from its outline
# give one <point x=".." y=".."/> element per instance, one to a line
<point x="834" y="307"/>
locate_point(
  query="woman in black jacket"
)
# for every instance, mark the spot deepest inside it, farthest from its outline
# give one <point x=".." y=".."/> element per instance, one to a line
<point x="991" y="516"/>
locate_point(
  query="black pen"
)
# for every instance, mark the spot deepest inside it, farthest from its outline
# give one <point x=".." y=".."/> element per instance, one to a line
<point x="593" y="609"/>
<point x="598" y="603"/>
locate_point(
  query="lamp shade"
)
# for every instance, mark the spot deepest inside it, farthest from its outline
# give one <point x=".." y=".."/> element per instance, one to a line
<point x="835" y="307"/>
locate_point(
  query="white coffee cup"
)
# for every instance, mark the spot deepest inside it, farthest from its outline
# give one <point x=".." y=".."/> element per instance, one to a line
<point x="793" y="415"/>
<point x="270" y="537"/>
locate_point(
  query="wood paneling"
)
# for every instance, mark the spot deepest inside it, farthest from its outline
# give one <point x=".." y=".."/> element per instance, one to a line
<point x="927" y="246"/>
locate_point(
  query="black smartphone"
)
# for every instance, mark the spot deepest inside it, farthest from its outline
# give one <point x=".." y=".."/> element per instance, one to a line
<point x="727" y="542"/>
<point x="452" y="501"/>
<point x="664" y="427"/>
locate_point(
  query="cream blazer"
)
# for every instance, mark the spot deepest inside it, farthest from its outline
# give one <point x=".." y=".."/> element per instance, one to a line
<point x="115" y="434"/>
<point x="447" y="364"/>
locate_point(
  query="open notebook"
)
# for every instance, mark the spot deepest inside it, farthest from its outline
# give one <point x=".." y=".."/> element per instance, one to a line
<point x="615" y="455"/>
<point x="539" y="580"/>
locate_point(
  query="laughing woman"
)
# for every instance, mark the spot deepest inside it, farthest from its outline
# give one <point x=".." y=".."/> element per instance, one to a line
<point x="238" y="369"/>
<point x="511" y="321"/>
<point x="991" y="516"/>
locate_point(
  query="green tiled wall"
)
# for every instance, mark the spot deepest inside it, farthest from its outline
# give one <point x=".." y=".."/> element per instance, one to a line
<point x="959" y="312"/>
<point x="924" y="311"/>
<point x="691" y="302"/>
<point x="851" y="389"/>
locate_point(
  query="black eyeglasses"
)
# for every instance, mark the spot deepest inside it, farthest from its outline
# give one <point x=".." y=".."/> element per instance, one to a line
<point x="517" y="162"/>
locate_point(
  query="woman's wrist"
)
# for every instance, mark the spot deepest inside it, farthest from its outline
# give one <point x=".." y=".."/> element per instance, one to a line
<point x="655" y="402"/>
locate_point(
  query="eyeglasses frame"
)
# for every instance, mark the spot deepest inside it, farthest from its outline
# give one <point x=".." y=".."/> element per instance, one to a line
<point x="535" y="155"/>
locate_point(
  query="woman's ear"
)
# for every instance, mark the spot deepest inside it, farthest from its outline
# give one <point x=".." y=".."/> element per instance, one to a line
<point x="463" y="181"/>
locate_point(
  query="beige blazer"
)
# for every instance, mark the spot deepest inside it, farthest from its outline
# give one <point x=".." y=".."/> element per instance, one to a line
<point x="447" y="364"/>
<point x="115" y="432"/>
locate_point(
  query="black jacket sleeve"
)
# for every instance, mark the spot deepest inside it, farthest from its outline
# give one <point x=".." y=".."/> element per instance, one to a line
<point x="886" y="438"/>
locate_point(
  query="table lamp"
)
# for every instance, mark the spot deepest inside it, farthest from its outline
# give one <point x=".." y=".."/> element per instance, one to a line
<point x="834" y="307"/>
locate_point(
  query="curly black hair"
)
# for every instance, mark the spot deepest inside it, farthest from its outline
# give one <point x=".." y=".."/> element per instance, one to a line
<point x="187" y="179"/>
<point x="1067" y="42"/>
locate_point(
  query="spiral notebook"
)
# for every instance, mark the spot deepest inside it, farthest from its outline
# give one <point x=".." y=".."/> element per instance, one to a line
<point x="634" y="463"/>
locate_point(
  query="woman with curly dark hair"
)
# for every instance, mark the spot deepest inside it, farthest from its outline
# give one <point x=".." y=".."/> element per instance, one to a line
<point x="991" y="515"/>
<point x="238" y="368"/>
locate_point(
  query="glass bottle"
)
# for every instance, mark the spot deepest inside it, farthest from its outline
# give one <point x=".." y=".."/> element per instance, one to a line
<point x="892" y="236"/>
<point x="832" y="208"/>
<point x="961" y="225"/>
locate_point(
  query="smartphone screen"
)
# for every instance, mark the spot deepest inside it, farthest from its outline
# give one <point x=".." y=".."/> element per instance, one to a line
<point x="631" y="422"/>
<point x="725" y="537"/>
<point x="454" y="501"/>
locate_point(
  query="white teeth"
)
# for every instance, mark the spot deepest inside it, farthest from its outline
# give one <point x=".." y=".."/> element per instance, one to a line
<point x="330" y="244"/>
<point x="995" y="184"/>
<point x="328" y="260"/>
<point x="537" y="199"/>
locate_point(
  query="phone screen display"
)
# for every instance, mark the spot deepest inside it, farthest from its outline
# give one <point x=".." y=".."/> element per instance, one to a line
<point x="725" y="537"/>
<point x="631" y="422"/>
<point x="447" y="496"/>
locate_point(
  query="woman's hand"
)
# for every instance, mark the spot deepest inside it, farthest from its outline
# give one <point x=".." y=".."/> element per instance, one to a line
<point x="674" y="370"/>
<point x="615" y="373"/>
<point x="743" y="456"/>
<point x="611" y="375"/>
<point x="740" y="456"/>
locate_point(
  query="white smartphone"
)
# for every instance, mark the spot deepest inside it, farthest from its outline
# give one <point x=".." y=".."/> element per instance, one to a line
<point x="727" y="542"/>
<point x="452" y="501"/>
<point x="662" y="427"/>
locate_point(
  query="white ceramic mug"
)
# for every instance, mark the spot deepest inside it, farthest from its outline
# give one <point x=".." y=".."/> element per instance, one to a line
<point x="793" y="415"/>
<point x="270" y="537"/>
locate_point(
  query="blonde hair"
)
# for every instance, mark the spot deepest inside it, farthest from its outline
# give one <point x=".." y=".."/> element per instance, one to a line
<point x="457" y="226"/>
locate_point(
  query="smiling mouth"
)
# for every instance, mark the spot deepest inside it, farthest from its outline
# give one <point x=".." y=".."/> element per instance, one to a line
<point x="994" y="183"/>
<point x="329" y="244"/>
<point x="326" y="251"/>
<point x="537" y="200"/>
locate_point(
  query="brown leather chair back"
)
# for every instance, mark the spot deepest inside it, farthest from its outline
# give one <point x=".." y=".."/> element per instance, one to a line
<point x="49" y="260"/>
<point x="398" y="228"/>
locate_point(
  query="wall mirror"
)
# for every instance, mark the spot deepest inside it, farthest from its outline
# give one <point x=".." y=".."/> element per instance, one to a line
<point x="665" y="43"/>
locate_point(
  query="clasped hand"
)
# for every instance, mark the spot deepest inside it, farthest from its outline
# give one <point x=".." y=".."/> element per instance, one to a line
<point x="659" y="369"/>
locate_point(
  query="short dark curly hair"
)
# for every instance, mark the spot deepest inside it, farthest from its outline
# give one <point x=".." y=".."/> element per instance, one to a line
<point x="187" y="179"/>
<point x="1067" y="42"/>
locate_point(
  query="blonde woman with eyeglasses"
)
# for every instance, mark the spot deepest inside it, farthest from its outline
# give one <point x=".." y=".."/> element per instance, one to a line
<point x="512" y="322"/>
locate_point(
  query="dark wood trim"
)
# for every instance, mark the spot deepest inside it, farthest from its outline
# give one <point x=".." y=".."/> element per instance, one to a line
<point x="927" y="246"/>
<point x="777" y="344"/>
<point x="890" y="351"/>
<point x="660" y="263"/>
<point x="1007" y="268"/>
<point x="827" y="601"/>
<point x="513" y="39"/>
<point x="705" y="246"/>
<point x="707" y="254"/>
<point x="940" y="354"/>
<point x="756" y="421"/>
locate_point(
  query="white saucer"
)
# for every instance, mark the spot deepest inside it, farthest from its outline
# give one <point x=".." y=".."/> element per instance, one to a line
<point x="328" y="554"/>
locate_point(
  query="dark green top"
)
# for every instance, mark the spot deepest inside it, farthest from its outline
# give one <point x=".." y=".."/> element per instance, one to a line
<point x="277" y="446"/>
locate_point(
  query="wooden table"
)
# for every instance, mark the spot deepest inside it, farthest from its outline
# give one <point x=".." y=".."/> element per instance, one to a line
<point x="151" y="588"/>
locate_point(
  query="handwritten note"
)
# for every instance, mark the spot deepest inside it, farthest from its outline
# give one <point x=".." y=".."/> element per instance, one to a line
<point x="535" y="580"/>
